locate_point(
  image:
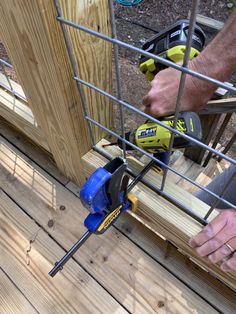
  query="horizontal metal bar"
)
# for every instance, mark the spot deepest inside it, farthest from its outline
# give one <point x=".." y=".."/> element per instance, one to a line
<point x="13" y="92"/>
<point x="6" y="63"/>
<point x="158" y="161"/>
<point x="166" y="196"/>
<point x="147" y="54"/>
<point x="129" y="106"/>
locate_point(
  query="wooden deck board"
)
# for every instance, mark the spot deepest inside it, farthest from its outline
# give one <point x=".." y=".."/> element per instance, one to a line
<point x="27" y="254"/>
<point x="12" y="300"/>
<point x="136" y="280"/>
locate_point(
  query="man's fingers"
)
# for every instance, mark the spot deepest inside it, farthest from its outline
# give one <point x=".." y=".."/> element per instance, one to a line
<point x="222" y="252"/>
<point x="209" y="231"/>
<point x="214" y="243"/>
<point x="230" y="264"/>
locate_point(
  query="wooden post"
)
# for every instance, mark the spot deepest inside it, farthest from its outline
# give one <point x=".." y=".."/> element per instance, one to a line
<point x="34" y="41"/>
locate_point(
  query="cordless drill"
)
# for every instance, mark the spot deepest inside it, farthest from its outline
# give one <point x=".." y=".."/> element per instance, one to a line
<point x="171" y="45"/>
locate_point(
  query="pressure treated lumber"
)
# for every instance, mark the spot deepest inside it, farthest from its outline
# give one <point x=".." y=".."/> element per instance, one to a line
<point x="20" y="115"/>
<point x="12" y="300"/>
<point x="133" y="278"/>
<point x="34" y="41"/>
<point x="27" y="254"/>
<point x="163" y="217"/>
<point x="209" y="288"/>
<point x="93" y="55"/>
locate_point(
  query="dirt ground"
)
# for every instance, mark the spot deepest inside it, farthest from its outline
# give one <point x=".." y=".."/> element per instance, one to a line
<point x="134" y="26"/>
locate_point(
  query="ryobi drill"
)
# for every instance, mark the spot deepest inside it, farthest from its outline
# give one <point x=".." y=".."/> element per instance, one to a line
<point x="169" y="44"/>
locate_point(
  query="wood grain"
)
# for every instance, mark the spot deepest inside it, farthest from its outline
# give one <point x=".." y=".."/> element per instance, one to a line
<point x="18" y="114"/>
<point x="138" y="282"/>
<point x="34" y="41"/>
<point x="27" y="254"/>
<point x="93" y="55"/>
<point x="12" y="300"/>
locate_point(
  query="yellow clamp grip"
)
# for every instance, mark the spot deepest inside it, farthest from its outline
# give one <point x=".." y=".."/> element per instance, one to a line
<point x="134" y="202"/>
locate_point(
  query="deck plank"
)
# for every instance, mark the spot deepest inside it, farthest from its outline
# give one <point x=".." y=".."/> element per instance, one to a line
<point x="12" y="299"/>
<point x="27" y="254"/>
<point x="130" y="275"/>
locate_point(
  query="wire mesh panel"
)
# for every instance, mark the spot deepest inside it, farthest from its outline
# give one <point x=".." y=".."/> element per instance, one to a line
<point x="124" y="105"/>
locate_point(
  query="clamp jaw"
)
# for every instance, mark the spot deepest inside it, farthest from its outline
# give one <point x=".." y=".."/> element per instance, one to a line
<point x="105" y="195"/>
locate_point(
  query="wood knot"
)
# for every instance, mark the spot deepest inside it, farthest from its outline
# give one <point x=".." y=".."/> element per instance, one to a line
<point x="160" y="304"/>
<point x="50" y="223"/>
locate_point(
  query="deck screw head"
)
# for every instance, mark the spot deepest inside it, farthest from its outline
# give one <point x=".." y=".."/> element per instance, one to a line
<point x="62" y="207"/>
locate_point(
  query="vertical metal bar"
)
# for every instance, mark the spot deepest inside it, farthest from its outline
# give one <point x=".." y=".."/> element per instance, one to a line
<point x="182" y="82"/>
<point x="214" y="204"/>
<point x="118" y="80"/>
<point x="75" y="68"/>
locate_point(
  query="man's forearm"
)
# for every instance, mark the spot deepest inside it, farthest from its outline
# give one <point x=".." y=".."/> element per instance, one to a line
<point x="218" y="59"/>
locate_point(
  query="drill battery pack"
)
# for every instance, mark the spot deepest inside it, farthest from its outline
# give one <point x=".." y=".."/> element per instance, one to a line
<point x="170" y="44"/>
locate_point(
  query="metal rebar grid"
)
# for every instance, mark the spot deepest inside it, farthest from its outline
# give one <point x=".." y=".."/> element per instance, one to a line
<point x="184" y="69"/>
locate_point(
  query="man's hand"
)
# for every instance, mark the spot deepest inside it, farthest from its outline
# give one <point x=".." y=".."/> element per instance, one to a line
<point x="217" y="60"/>
<point x="161" y="99"/>
<point x="211" y="241"/>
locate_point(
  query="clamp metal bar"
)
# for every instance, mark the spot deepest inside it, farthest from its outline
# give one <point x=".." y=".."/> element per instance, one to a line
<point x="59" y="265"/>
